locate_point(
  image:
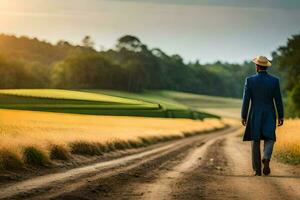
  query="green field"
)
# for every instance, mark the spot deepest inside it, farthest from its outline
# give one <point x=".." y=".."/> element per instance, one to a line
<point x="220" y="106"/>
<point x="69" y="95"/>
<point x="106" y="102"/>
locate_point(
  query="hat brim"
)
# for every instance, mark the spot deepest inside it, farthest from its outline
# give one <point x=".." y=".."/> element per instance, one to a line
<point x="268" y="64"/>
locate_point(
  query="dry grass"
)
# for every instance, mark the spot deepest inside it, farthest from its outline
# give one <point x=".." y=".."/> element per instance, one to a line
<point x="287" y="148"/>
<point x="58" y="134"/>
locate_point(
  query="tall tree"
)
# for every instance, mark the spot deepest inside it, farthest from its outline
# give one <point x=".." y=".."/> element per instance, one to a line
<point x="88" y="42"/>
<point x="288" y="59"/>
<point x="130" y="43"/>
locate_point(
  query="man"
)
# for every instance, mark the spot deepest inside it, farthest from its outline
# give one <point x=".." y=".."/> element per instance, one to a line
<point x="262" y="90"/>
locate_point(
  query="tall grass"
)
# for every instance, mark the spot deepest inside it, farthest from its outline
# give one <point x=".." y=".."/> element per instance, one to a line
<point x="59" y="152"/>
<point x="287" y="148"/>
<point x="38" y="138"/>
<point x="10" y="160"/>
<point x="32" y="155"/>
<point x="85" y="148"/>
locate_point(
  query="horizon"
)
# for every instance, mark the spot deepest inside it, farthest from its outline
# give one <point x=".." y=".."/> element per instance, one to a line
<point x="176" y="27"/>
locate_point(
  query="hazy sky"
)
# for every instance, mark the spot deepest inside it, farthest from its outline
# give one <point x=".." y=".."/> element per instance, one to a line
<point x="209" y="30"/>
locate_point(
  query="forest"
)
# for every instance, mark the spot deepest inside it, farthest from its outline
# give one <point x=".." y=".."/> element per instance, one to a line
<point x="132" y="66"/>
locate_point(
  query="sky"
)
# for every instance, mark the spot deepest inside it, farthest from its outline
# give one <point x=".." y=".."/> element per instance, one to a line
<point x="205" y="30"/>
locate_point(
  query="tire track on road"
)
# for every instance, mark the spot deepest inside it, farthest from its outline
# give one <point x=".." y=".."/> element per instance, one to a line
<point x="223" y="172"/>
<point x="226" y="174"/>
<point x="163" y="187"/>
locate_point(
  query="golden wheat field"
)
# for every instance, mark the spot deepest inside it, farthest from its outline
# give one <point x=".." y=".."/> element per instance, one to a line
<point x="287" y="147"/>
<point x="20" y="129"/>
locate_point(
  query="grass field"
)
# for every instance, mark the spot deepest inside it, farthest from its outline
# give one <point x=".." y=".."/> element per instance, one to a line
<point x="37" y="138"/>
<point x="157" y="97"/>
<point x="171" y="100"/>
<point x="221" y="106"/>
<point x="149" y="104"/>
<point x="287" y="148"/>
<point x="70" y="95"/>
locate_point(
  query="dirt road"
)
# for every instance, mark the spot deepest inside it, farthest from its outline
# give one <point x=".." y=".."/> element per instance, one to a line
<point x="208" y="166"/>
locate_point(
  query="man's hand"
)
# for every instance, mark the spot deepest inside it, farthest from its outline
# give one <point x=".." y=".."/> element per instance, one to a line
<point x="244" y="122"/>
<point x="280" y="122"/>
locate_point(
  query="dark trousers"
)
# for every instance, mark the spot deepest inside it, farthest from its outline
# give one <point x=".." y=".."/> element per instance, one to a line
<point x="256" y="155"/>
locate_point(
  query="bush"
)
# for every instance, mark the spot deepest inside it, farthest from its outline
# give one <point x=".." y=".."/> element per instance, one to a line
<point x="59" y="152"/>
<point x="10" y="161"/>
<point x="34" y="156"/>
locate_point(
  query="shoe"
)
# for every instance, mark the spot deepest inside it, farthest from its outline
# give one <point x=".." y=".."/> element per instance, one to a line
<point x="257" y="173"/>
<point x="266" y="169"/>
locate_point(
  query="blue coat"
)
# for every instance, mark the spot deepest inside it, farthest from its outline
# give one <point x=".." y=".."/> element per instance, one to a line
<point x="263" y="91"/>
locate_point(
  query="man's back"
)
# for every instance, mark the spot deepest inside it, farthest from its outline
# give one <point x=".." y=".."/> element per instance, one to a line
<point x="262" y="90"/>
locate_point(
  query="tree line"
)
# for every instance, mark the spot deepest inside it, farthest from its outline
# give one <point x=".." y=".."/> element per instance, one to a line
<point x="287" y="58"/>
<point x="132" y="66"/>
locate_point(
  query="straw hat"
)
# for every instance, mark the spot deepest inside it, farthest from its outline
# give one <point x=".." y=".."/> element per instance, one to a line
<point x="262" y="61"/>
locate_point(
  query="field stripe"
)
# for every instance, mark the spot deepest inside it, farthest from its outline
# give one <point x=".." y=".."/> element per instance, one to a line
<point x="68" y="95"/>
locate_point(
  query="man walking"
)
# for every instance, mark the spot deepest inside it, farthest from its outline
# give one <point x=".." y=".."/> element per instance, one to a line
<point x="263" y="91"/>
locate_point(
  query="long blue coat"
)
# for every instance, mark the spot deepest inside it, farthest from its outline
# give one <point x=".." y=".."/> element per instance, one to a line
<point x="263" y="91"/>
